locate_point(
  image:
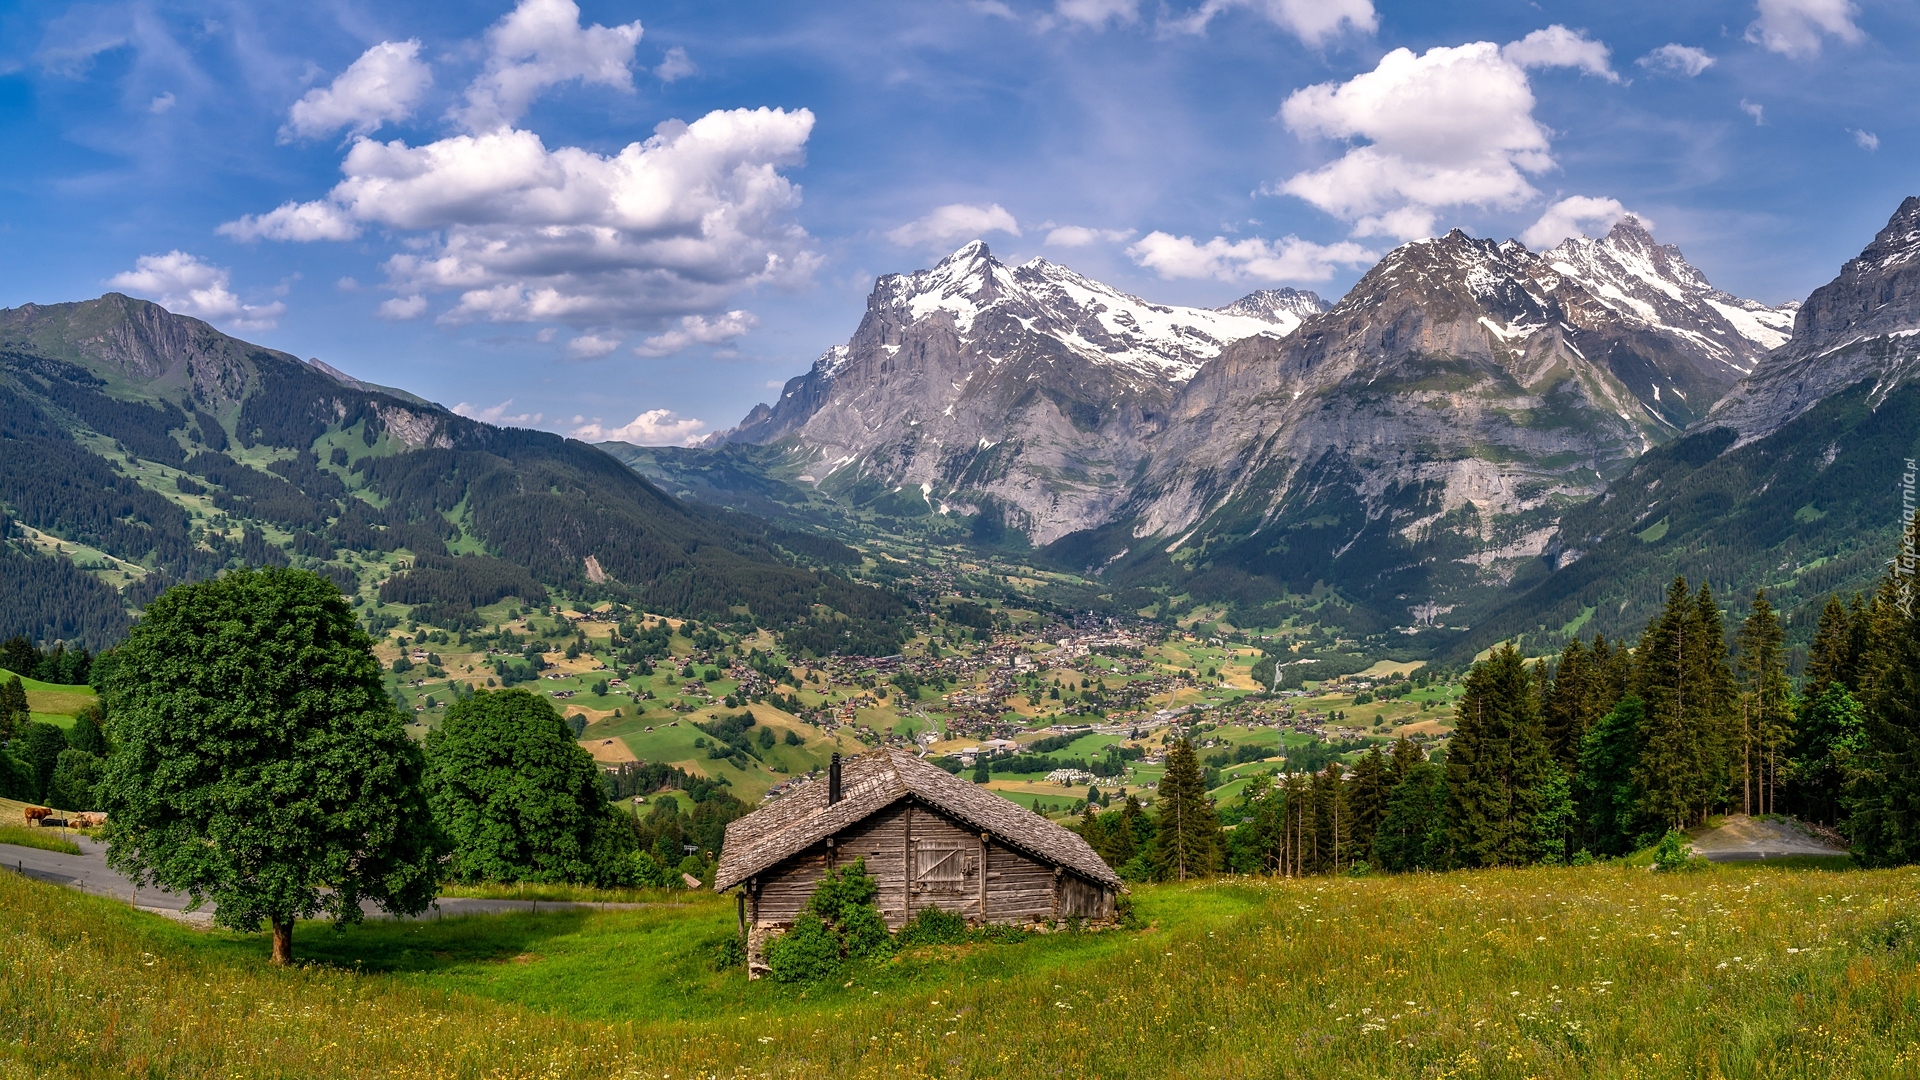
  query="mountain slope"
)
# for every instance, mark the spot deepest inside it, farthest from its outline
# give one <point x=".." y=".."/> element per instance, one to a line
<point x="1031" y="389"/>
<point x="1415" y="444"/>
<point x="154" y="449"/>
<point x="1794" y="482"/>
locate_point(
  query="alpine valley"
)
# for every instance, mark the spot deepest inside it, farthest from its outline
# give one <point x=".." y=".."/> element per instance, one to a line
<point x="1477" y="441"/>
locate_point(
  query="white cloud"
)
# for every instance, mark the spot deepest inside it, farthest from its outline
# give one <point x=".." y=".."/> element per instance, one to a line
<point x="541" y="44"/>
<point x="675" y="65"/>
<point x="1450" y="127"/>
<point x="523" y="233"/>
<point x="498" y="415"/>
<point x="591" y="346"/>
<point x="699" y="330"/>
<point x="185" y="285"/>
<point x="293" y="221"/>
<point x="655" y="427"/>
<point x="954" y="221"/>
<point x="402" y="308"/>
<point x="1677" y="60"/>
<point x="1312" y="21"/>
<point x="1755" y="110"/>
<point x="1557" y="46"/>
<point x="1073" y="236"/>
<point x="1572" y="217"/>
<point x="162" y="103"/>
<point x="1289" y="259"/>
<point x="1866" y="140"/>
<point x="1796" y="27"/>
<point x="1097" y="13"/>
<point x="381" y="87"/>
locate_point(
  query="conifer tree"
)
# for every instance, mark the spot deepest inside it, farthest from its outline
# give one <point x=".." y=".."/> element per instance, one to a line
<point x="1413" y="834"/>
<point x="1683" y="680"/>
<point x="1332" y="822"/>
<point x="1833" y="658"/>
<point x="1766" y="715"/>
<point x="1496" y="765"/>
<point x="1406" y="754"/>
<point x="1187" y="830"/>
<point x="1367" y="801"/>
<point x="1884" y="778"/>
<point x="1565" y="716"/>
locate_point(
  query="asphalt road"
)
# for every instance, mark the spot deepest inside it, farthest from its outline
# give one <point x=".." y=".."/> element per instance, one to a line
<point x="89" y="873"/>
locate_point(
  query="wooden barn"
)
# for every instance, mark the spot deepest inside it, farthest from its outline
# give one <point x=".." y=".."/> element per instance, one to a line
<point x="930" y="839"/>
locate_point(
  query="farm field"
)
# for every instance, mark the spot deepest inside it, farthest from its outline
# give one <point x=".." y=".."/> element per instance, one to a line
<point x="1737" y="971"/>
<point x="52" y="703"/>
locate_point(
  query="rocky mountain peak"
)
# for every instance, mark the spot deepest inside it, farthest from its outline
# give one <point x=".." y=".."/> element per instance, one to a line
<point x="1276" y="305"/>
<point x="1863" y="325"/>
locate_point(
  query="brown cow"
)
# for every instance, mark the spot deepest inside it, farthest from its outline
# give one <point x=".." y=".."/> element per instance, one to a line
<point x="90" y="819"/>
<point x="36" y="814"/>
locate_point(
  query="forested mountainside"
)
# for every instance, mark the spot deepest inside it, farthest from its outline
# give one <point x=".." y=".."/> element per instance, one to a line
<point x="1798" y="481"/>
<point x="140" y="448"/>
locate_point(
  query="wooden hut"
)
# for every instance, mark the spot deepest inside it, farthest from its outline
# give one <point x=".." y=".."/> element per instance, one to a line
<point x="929" y="838"/>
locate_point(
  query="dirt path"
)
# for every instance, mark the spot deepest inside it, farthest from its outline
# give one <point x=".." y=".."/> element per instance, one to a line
<point x="1742" y="838"/>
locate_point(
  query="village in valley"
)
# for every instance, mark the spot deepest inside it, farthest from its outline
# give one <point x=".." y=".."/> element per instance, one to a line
<point x="1049" y="709"/>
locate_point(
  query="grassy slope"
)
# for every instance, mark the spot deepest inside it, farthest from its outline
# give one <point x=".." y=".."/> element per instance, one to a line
<point x="1548" y="973"/>
<point x="52" y="703"/>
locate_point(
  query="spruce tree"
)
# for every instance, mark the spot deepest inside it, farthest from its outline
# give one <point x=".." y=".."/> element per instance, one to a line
<point x="1187" y="830"/>
<point x="1766" y="714"/>
<point x="1496" y="764"/>
<point x="1565" y="716"/>
<point x="1833" y="659"/>
<point x="1413" y="834"/>
<point x="1883" y="790"/>
<point x="1406" y="754"/>
<point x="1682" y="678"/>
<point x="1367" y="801"/>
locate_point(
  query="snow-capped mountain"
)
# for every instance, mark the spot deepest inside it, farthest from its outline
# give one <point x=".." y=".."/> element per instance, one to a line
<point x="1653" y="284"/>
<point x="1029" y="386"/>
<point x="1862" y="325"/>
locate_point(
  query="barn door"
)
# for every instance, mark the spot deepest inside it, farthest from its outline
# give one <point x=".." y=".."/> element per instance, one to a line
<point x="940" y="868"/>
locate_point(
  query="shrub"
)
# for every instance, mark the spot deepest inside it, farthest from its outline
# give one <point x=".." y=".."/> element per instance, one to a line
<point x="934" y="926"/>
<point x="1672" y="854"/>
<point x="838" y="924"/>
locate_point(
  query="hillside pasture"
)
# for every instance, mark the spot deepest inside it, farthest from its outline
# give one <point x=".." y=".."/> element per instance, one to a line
<point x="1739" y="971"/>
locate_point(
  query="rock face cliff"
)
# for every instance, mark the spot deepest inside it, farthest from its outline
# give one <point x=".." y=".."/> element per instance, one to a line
<point x="1423" y="435"/>
<point x="1864" y="324"/>
<point x="1028" y="389"/>
<point x="1429" y="429"/>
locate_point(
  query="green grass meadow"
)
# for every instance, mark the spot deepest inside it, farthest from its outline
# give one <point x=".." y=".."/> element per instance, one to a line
<point x="1735" y="971"/>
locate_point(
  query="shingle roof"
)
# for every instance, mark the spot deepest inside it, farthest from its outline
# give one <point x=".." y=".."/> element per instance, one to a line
<point x="876" y="780"/>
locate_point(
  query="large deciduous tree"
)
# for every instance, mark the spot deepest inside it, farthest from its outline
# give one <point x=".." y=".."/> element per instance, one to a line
<point x="518" y="798"/>
<point x="258" y="763"/>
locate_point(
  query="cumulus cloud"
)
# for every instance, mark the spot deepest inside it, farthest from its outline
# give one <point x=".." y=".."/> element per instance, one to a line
<point x="655" y="427"/>
<point x="1677" y="60"/>
<point x="1797" y="28"/>
<point x="541" y="44"/>
<point x="1865" y="140"/>
<point x="675" y="65"/>
<point x="1312" y="21"/>
<point x="1578" y="215"/>
<point x="381" y="87"/>
<point x="402" y="308"/>
<point x="1453" y="126"/>
<point x="186" y="285"/>
<point x="953" y="222"/>
<point x="1557" y="46"/>
<point x="591" y="346"/>
<point x="699" y="330"/>
<point x="498" y="415"/>
<point x="1097" y="13"/>
<point x="293" y="221"/>
<point x="1073" y="236"/>
<point x="1289" y="259"/>
<point x="526" y="233"/>
<point x="1755" y="110"/>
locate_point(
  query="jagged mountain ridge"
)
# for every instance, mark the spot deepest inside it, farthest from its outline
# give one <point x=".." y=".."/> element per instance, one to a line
<point x="1792" y="483"/>
<point x="1030" y="389"/>
<point x="139" y="448"/>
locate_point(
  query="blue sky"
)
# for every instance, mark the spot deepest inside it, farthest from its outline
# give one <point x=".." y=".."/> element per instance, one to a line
<point x="637" y="219"/>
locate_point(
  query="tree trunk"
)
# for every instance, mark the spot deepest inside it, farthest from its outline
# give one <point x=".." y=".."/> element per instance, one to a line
<point x="283" y="941"/>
